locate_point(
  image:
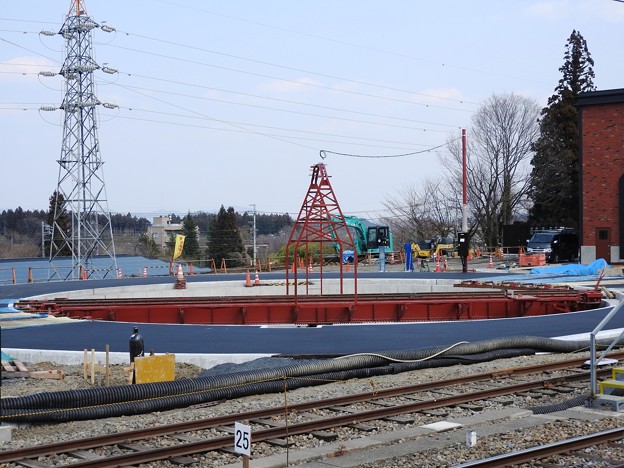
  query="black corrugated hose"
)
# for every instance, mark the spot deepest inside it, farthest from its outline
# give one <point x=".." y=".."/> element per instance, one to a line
<point x="103" y="402"/>
<point x="564" y="405"/>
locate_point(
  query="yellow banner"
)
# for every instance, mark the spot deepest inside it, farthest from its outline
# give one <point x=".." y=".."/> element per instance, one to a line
<point x="179" y="245"/>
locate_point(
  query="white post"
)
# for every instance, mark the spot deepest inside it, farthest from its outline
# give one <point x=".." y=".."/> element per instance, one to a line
<point x="255" y="247"/>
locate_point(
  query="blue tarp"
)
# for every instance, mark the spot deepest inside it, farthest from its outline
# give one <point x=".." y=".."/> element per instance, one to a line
<point x="573" y="269"/>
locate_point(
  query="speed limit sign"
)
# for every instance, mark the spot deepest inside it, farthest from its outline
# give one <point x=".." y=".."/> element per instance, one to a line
<point x="242" y="438"/>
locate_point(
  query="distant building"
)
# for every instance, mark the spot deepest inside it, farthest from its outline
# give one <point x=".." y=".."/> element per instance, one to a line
<point x="602" y="175"/>
<point x="162" y="230"/>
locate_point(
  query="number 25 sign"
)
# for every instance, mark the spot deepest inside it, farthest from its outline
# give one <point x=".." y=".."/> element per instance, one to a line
<point x="242" y="438"/>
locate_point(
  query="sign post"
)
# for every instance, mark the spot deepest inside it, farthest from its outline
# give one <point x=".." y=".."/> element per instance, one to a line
<point x="242" y="441"/>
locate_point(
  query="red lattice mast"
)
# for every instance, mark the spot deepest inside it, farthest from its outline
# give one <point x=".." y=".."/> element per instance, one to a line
<point x="320" y="221"/>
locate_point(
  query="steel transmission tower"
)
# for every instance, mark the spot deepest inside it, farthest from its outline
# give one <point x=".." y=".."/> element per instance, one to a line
<point x="82" y="226"/>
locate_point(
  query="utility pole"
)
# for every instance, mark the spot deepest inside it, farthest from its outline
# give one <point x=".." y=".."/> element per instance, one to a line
<point x="463" y="239"/>
<point x="255" y="245"/>
<point x="81" y="193"/>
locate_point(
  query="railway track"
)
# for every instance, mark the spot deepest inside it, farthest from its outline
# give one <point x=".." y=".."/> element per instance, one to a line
<point x="210" y="440"/>
<point x="566" y="449"/>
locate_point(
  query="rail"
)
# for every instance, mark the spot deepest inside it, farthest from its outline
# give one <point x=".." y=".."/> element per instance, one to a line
<point x="536" y="453"/>
<point x="150" y="455"/>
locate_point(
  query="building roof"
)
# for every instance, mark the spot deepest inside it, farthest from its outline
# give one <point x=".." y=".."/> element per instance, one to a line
<point x="606" y="96"/>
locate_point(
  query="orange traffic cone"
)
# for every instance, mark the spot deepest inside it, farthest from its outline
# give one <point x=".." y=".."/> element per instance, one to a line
<point x="438" y="265"/>
<point x="119" y="275"/>
<point x="144" y="272"/>
<point x="310" y="266"/>
<point x="491" y="264"/>
<point x="248" y="280"/>
<point x="257" y="280"/>
<point x="180" y="282"/>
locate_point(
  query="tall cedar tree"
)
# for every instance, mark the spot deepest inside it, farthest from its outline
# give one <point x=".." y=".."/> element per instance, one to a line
<point x="555" y="185"/>
<point x="57" y="206"/>
<point x="191" y="250"/>
<point x="224" y="240"/>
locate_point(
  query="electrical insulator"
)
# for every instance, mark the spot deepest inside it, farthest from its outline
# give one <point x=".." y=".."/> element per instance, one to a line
<point x="107" y="28"/>
<point x="110" y="70"/>
<point x="47" y="73"/>
<point x="48" y="108"/>
<point x="48" y="33"/>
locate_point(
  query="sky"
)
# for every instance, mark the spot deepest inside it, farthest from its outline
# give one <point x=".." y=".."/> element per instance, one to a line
<point x="230" y="103"/>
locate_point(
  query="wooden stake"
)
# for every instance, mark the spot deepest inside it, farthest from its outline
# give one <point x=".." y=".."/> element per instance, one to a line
<point x="107" y="371"/>
<point x="92" y="366"/>
<point x="85" y="366"/>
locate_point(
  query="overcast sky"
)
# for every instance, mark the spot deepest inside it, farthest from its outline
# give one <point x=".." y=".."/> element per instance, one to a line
<point x="229" y="103"/>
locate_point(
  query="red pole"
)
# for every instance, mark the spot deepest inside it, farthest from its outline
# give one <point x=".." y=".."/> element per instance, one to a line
<point x="464" y="184"/>
<point x="464" y="165"/>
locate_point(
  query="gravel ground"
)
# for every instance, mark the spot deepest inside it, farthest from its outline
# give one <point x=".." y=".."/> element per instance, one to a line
<point x="29" y="435"/>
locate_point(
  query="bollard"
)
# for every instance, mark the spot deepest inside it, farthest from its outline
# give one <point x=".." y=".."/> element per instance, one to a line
<point x="137" y="347"/>
<point x="136" y="344"/>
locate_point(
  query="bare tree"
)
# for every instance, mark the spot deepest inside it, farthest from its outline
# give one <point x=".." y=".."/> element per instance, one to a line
<point x="424" y="212"/>
<point x="499" y="152"/>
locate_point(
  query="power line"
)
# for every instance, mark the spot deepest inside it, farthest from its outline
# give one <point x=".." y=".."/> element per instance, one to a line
<point x="195" y="85"/>
<point x="278" y="110"/>
<point x="324" y="75"/>
<point x="445" y="65"/>
<point x="268" y="98"/>
<point x="324" y="153"/>
<point x="301" y="83"/>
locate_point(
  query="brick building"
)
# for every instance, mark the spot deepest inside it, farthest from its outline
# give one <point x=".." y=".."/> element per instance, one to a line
<point x="601" y="115"/>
